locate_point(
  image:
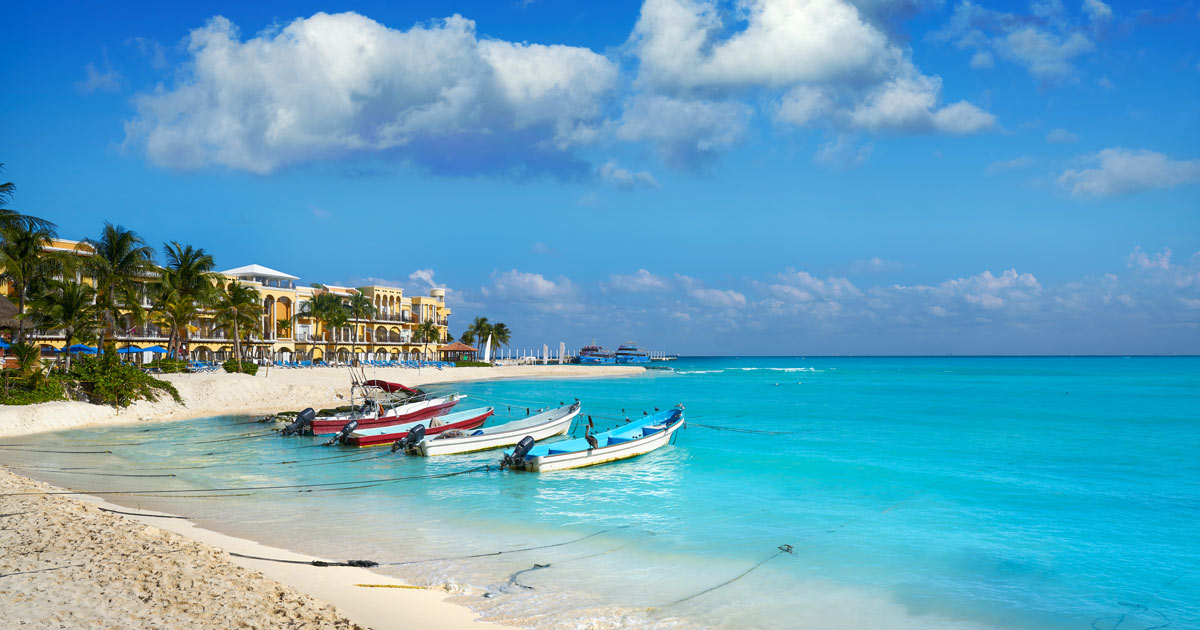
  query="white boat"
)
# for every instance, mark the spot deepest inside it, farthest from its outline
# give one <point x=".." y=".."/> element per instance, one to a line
<point x="636" y="438"/>
<point x="539" y="426"/>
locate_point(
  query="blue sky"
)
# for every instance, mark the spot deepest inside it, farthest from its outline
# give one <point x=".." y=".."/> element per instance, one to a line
<point x="760" y="177"/>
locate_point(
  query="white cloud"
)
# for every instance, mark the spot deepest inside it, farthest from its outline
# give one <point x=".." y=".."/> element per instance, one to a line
<point x="534" y="290"/>
<point x="1046" y="43"/>
<point x="686" y="131"/>
<point x="1097" y="11"/>
<point x="875" y="265"/>
<point x="96" y="81"/>
<point x="983" y="290"/>
<point x="641" y="281"/>
<point x="842" y="153"/>
<point x="1061" y="136"/>
<point x="828" y="61"/>
<point x="1009" y="165"/>
<point x="612" y="173"/>
<point x="785" y="42"/>
<point x="1140" y="260"/>
<point x="716" y="298"/>
<point x="331" y="85"/>
<point x="1122" y="171"/>
<point x="423" y="276"/>
<point x="982" y="59"/>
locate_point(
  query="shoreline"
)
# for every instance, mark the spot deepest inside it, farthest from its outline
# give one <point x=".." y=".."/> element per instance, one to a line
<point x="324" y="597"/>
<point x="171" y="550"/>
<point x="270" y="391"/>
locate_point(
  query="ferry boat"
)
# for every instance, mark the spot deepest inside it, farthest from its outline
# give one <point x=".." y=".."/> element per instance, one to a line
<point x="630" y="353"/>
<point x="593" y="354"/>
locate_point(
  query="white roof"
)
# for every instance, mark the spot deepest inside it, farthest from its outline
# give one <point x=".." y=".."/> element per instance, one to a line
<point x="258" y="270"/>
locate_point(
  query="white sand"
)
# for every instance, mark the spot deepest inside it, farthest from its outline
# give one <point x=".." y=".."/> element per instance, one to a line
<point x="67" y="564"/>
<point x="216" y="393"/>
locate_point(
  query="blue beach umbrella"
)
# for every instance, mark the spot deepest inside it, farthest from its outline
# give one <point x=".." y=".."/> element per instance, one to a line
<point x="157" y="349"/>
<point x="5" y="344"/>
<point x="80" y="348"/>
<point x="129" y="350"/>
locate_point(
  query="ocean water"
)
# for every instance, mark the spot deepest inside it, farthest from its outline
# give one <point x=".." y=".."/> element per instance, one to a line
<point x="1026" y="493"/>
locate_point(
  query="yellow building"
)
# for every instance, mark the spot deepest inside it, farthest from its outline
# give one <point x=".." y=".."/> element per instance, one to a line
<point x="285" y="332"/>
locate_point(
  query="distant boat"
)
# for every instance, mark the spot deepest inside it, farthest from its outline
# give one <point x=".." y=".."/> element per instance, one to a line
<point x="636" y="438"/>
<point x="462" y="420"/>
<point x="539" y="426"/>
<point x="595" y="355"/>
<point x="630" y="353"/>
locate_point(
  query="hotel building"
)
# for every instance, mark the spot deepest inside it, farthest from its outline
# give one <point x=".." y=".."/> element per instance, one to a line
<point x="285" y="332"/>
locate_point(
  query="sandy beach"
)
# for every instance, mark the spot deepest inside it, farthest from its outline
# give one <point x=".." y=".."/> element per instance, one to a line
<point x="269" y="391"/>
<point x="67" y="562"/>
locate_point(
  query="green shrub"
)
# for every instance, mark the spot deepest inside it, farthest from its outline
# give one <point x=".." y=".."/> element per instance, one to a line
<point x="31" y="390"/>
<point x="471" y="364"/>
<point x="247" y="367"/>
<point x="107" y="380"/>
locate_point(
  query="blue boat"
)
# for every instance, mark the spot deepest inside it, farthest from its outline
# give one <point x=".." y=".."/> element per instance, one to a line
<point x="630" y="440"/>
<point x="630" y="353"/>
<point x="595" y="355"/>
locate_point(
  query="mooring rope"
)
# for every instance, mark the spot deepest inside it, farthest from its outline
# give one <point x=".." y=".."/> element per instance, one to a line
<point x="251" y="488"/>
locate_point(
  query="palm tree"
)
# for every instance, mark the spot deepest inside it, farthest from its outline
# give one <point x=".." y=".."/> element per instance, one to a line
<point x="329" y="310"/>
<point x="25" y="263"/>
<point x="359" y="307"/>
<point x="68" y="306"/>
<point x="12" y="218"/>
<point x="184" y="287"/>
<point x="121" y="262"/>
<point x="237" y="308"/>
<point x="467" y="337"/>
<point x="500" y="334"/>
<point x="480" y="329"/>
<point x="426" y="332"/>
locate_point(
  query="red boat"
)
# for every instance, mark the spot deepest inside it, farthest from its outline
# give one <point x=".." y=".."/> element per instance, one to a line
<point x="378" y="414"/>
<point x="462" y="420"/>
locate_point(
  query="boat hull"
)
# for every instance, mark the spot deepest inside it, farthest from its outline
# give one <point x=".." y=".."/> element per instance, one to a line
<point x="330" y="426"/>
<point x="471" y="444"/>
<point x="603" y="455"/>
<point x="363" y="441"/>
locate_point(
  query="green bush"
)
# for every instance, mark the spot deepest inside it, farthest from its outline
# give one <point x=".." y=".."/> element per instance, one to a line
<point x="168" y="366"/>
<point x="107" y="380"/>
<point x="471" y="364"/>
<point x="31" y="390"/>
<point x="247" y="367"/>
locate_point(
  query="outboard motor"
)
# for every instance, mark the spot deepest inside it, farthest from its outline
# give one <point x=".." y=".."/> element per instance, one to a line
<point x="340" y="438"/>
<point x="412" y="438"/>
<point x="302" y="423"/>
<point x="518" y="454"/>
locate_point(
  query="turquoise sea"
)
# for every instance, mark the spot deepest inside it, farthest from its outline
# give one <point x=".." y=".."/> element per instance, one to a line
<point x="1025" y="493"/>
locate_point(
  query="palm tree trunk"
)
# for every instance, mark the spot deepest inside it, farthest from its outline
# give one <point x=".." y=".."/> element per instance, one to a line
<point x="237" y="343"/>
<point x="21" y="315"/>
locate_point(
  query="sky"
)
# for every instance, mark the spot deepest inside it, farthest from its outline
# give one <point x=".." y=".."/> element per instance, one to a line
<point x="780" y="177"/>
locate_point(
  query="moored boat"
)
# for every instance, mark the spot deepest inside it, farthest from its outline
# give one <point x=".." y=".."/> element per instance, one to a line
<point x="539" y="426"/>
<point x="593" y="354"/>
<point x="630" y="353"/>
<point x="636" y="438"/>
<point x="376" y="414"/>
<point x="461" y="420"/>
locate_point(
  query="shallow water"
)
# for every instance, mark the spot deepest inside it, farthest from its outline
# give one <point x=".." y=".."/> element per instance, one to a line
<point x="1033" y="493"/>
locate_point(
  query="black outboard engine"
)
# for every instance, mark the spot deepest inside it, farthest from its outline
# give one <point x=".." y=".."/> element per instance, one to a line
<point x="345" y="432"/>
<point x="412" y="438"/>
<point x="518" y="454"/>
<point x="302" y="423"/>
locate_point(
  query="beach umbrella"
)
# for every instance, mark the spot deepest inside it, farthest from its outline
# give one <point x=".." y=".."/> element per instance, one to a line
<point x="80" y="348"/>
<point x="129" y="350"/>
<point x="157" y="349"/>
<point x="5" y="344"/>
